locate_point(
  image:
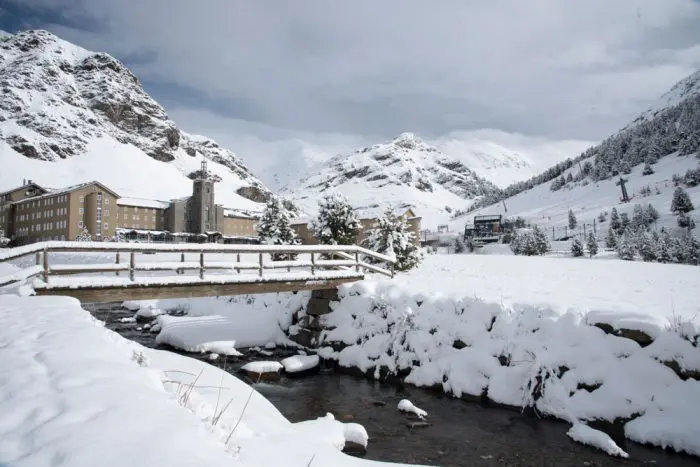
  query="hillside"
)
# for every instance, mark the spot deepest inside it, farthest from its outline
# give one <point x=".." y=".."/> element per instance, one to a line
<point x="666" y="137"/>
<point x="68" y="115"/>
<point x="549" y="209"/>
<point x="403" y="172"/>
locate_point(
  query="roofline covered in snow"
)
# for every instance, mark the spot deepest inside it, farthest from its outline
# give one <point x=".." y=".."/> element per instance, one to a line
<point x="69" y="190"/>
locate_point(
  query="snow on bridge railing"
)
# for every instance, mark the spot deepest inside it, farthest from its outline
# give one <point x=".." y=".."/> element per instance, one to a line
<point x="321" y="257"/>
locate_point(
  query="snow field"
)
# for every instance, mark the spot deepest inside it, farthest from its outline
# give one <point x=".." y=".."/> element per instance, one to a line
<point x="78" y="394"/>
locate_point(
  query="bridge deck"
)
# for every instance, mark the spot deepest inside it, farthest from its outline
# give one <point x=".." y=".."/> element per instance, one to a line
<point x="104" y="289"/>
<point x="182" y="271"/>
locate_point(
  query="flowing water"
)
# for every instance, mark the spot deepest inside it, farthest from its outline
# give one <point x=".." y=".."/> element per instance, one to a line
<point x="459" y="434"/>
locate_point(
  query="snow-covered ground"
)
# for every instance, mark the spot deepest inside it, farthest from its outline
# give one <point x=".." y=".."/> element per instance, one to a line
<point x="73" y="393"/>
<point x="549" y="209"/>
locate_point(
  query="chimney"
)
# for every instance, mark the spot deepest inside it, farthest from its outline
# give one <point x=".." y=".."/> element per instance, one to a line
<point x="24" y="181"/>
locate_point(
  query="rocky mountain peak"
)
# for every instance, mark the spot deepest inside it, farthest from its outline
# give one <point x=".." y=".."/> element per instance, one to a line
<point x="55" y="97"/>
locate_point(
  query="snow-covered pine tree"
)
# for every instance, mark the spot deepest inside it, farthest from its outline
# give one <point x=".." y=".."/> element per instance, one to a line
<point x="625" y="245"/>
<point x="611" y="238"/>
<point x="615" y="224"/>
<point x="639" y="218"/>
<point x="647" y="170"/>
<point x="391" y="237"/>
<point x="336" y="223"/>
<point x="572" y="220"/>
<point x="647" y="246"/>
<point x="83" y="235"/>
<point x="275" y="228"/>
<point x="681" y="201"/>
<point x="685" y="221"/>
<point x="624" y="221"/>
<point x="576" y="248"/>
<point x="529" y="242"/>
<point x="651" y="214"/>
<point x="569" y="178"/>
<point x="592" y="244"/>
<point x="626" y="168"/>
<point x="663" y="248"/>
<point x="689" y="145"/>
<point x="541" y="240"/>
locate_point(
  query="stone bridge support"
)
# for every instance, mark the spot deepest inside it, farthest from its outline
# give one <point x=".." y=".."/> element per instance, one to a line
<point x="309" y="323"/>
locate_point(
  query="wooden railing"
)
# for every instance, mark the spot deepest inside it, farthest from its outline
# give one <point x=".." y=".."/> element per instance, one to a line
<point x="316" y="259"/>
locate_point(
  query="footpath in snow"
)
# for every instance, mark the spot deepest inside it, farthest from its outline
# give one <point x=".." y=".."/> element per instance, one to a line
<point x="74" y="393"/>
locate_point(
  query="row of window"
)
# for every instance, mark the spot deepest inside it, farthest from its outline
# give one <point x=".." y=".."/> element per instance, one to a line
<point x="40" y="214"/>
<point x="42" y="202"/>
<point x="136" y="209"/>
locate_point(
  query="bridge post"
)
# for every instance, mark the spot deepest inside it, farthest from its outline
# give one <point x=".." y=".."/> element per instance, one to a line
<point x="38" y="259"/>
<point x="45" y="273"/>
<point x="357" y="262"/>
<point x="117" y="262"/>
<point x="132" y="265"/>
<point x="238" y="260"/>
<point x="313" y="264"/>
<point x="201" y="265"/>
<point x="260" y="261"/>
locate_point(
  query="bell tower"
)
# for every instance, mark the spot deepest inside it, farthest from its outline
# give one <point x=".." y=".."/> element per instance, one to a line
<point x="203" y="207"/>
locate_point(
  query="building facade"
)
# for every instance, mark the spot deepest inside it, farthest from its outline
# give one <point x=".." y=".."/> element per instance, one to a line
<point x="32" y="213"/>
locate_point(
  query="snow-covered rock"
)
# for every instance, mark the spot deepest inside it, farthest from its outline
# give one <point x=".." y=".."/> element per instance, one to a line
<point x="403" y="172"/>
<point x="299" y="363"/>
<point x="586" y="435"/>
<point x="68" y="115"/>
<point x="405" y="405"/>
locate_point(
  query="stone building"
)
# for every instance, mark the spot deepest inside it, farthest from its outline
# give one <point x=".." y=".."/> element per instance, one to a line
<point x="32" y="213"/>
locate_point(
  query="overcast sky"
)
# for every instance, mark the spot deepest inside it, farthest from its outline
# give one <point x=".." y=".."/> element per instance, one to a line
<point x="338" y="73"/>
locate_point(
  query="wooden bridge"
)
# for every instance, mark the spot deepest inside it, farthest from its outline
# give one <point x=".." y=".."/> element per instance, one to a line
<point x="100" y="272"/>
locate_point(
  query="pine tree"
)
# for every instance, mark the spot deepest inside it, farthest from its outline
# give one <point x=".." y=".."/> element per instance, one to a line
<point x="625" y="245"/>
<point x="592" y="244"/>
<point x="689" y="145"/>
<point x="681" y="202"/>
<point x="647" y="246"/>
<point x="648" y="170"/>
<point x="615" y="224"/>
<point x="572" y="220"/>
<point x="83" y="235"/>
<point x="275" y="228"/>
<point x="611" y="238"/>
<point x="651" y="214"/>
<point x="392" y="237"/>
<point x="625" y="168"/>
<point x="638" y="218"/>
<point x="529" y="242"/>
<point x="569" y="178"/>
<point x="685" y="221"/>
<point x="576" y="248"/>
<point x="624" y="221"/>
<point x="663" y="248"/>
<point x="336" y="223"/>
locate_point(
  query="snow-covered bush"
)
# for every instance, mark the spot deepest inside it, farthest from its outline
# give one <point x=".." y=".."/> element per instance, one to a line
<point x="576" y="248"/>
<point x="592" y="244"/>
<point x="391" y="236"/>
<point x="83" y="235"/>
<point x="4" y="241"/>
<point x="681" y="202"/>
<point x="336" y="223"/>
<point x="529" y="242"/>
<point x="275" y="228"/>
<point x="647" y="170"/>
<point x="460" y="246"/>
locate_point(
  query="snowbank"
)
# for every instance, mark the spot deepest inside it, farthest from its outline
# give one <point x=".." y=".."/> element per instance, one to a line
<point x="249" y="320"/>
<point x="546" y="356"/>
<point x="63" y="396"/>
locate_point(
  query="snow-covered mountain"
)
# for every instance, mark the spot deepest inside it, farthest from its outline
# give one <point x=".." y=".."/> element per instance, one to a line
<point x="403" y="172"/>
<point x="504" y="158"/>
<point x="68" y="115"/>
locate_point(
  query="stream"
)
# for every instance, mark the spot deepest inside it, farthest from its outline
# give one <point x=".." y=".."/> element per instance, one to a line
<point x="460" y="434"/>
